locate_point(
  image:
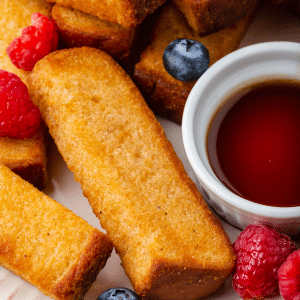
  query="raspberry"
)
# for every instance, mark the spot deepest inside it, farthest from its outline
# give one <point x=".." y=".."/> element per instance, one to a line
<point x="289" y="277"/>
<point x="19" y="117"/>
<point x="260" y="251"/>
<point x="36" y="41"/>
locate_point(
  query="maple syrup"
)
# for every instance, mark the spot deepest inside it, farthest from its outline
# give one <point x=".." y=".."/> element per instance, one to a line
<point x="254" y="147"/>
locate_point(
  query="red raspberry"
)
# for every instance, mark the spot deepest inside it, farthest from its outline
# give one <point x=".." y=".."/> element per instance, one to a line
<point x="260" y="251"/>
<point x="289" y="277"/>
<point x="36" y="41"/>
<point x="19" y="117"/>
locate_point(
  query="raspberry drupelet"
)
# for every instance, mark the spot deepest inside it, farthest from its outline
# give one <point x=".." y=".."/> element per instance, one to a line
<point x="260" y="252"/>
<point x="36" y="41"/>
<point x="289" y="277"/>
<point x="19" y="117"/>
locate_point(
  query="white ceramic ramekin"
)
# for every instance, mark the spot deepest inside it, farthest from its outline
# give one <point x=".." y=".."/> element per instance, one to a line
<point x="245" y="66"/>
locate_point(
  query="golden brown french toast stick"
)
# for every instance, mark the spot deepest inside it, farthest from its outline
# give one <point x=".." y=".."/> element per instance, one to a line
<point x="170" y="244"/>
<point x="125" y="12"/>
<point x="45" y="243"/>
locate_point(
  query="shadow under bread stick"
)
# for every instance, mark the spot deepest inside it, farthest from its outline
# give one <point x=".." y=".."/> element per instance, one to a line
<point x="170" y="244"/>
<point x="45" y="243"/>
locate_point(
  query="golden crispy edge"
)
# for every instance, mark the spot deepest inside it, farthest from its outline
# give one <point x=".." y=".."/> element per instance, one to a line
<point x="170" y="281"/>
<point x="81" y="276"/>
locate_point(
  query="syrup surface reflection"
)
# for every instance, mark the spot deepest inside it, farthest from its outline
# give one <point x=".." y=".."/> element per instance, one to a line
<point x="254" y="143"/>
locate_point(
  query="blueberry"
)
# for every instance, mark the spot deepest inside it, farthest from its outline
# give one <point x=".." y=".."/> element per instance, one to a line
<point x="118" y="294"/>
<point x="186" y="60"/>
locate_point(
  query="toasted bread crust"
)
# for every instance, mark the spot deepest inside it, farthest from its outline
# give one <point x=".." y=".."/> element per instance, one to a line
<point x="137" y="186"/>
<point x="171" y="281"/>
<point x="28" y="158"/>
<point x="165" y="94"/>
<point x="206" y="17"/>
<point x="45" y="243"/>
<point x="127" y="13"/>
<point x="79" y="29"/>
<point x="81" y="275"/>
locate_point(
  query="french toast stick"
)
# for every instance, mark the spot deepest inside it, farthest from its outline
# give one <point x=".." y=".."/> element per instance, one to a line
<point x="79" y="29"/>
<point x="166" y="95"/>
<point x="45" y="243"/>
<point x="127" y="13"/>
<point x="27" y="158"/>
<point x="171" y="245"/>
<point x="209" y="16"/>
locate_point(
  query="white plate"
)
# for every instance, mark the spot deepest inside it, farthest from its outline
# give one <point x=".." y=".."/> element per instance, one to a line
<point x="268" y="26"/>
